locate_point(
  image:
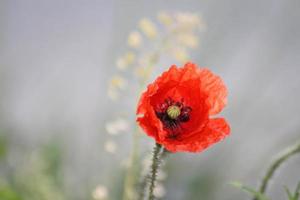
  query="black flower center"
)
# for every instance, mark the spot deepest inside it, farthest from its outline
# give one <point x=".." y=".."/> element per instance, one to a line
<point x="172" y="113"/>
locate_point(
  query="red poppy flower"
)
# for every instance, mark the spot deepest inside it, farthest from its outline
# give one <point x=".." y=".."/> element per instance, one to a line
<point x="176" y="109"/>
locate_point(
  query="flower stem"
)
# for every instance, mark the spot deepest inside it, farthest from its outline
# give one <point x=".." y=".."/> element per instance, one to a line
<point x="143" y="183"/>
<point x="154" y="169"/>
<point x="275" y="165"/>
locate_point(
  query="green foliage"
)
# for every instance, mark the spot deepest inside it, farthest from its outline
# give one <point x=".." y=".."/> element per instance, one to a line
<point x="3" y="146"/>
<point x="296" y="194"/>
<point x="52" y="154"/>
<point x="8" y="193"/>
<point x="261" y="196"/>
<point x="256" y="194"/>
<point x="202" y="186"/>
<point x="37" y="179"/>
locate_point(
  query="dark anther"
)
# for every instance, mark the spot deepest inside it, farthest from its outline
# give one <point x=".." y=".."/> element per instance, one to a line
<point x="172" y="113"/>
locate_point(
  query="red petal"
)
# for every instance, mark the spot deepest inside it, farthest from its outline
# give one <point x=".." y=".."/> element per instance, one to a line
<point x="214" y="87"/>
<point x="147" y="119"/>
<point x="215" y="130"/>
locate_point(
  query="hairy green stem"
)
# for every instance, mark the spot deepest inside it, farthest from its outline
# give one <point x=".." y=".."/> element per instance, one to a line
<point x="275" y="165"/>
<point x="147" y="177"/>
<point x="154" y="169"/>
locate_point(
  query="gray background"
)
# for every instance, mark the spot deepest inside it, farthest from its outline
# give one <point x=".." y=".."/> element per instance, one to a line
<point x="56" y="58"/>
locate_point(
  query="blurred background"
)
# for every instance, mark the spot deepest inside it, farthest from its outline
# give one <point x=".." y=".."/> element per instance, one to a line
<point x="65" y="134"/>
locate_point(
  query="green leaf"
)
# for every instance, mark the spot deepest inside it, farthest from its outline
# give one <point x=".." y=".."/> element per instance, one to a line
<point x="297" y="192"/>
<point x="294" y="196"/>
<point x="289" y="193"/>
<point x="249" y="190"/>
<point x="7" y="193"/>
<point x="3" y="146"/>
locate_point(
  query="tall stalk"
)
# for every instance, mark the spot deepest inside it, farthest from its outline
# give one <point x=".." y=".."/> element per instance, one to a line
<point x="275" y="165"/>
<point x="154" y="169"/>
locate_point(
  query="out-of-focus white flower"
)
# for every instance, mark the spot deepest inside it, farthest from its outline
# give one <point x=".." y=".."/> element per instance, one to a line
<point x="113" y="94"/>
<point x="142" y="72"/>
<point x="187" y="39"/>
<point x="148" y="28"/>
<point x="118" y="82"/>
<point x="121" y="63"/>
<point x="146" y="163"/>
<point x="159" y="191"/>
<point x="165" y="18"/>
<point x="117" y="126"/>
<point x="100" y="193"/>
<point x="189" y="21"/>
<point x="110" y="146"/>
<point x="187" y="18"/>
<point x="126" y="60"/>
<point x="134" y="39"/>
<point x="180" y="54"/>
<point x="129" y="57"/>
<point x="161" y="175"/>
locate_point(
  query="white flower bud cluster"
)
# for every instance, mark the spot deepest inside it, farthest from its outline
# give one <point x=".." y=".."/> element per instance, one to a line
<point x="115" y="127"/>
<point x="100" y="193"/>
<point x="170" y="36"/>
